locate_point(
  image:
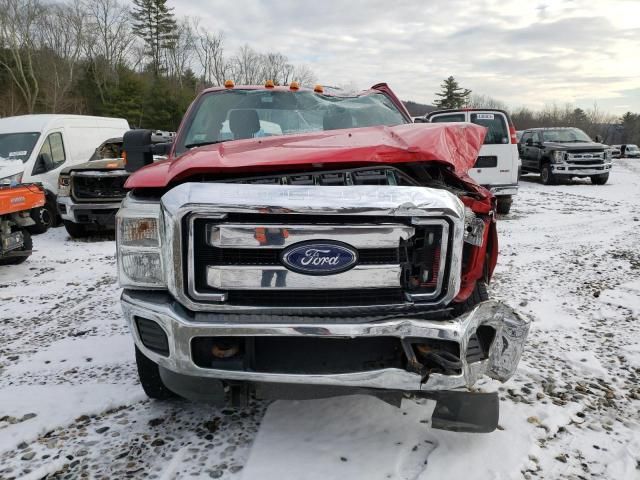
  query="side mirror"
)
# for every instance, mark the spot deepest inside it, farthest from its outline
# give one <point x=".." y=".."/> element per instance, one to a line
<point x="529" y="142"/>
<point x="44" y="163"/>
<point x="162" y="149"/>
<point x="138" y="149"/>
<point x="598" y="139"/>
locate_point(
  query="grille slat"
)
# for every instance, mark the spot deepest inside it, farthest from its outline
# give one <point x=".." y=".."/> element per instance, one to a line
<point x="99" y="188"/>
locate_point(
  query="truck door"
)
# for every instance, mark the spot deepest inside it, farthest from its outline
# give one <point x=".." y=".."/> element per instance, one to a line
<point x="49" y="162"/>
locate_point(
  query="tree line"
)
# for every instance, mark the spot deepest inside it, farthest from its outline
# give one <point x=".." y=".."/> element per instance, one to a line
<point x="102" y="57"/>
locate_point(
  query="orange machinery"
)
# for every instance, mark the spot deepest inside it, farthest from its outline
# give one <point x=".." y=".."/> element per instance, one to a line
<point x="15" y="204"/>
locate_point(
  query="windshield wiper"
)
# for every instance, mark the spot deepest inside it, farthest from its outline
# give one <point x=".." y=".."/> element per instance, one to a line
<point x="201" y="144"/>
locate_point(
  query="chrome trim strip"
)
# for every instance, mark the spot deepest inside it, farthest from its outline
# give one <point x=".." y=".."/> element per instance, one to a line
<point x="100" y="173"/>
<point x="358" y="236"/>
<point x="239" y="277"/>
<point x="504" y="354"/>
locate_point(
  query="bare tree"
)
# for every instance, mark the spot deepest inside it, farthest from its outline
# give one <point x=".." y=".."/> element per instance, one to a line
<point x="109" y="40"/>
<point x="19" y="39"/>
<point x="246" y="66"/>
<point x="181" y="50"/>
<point x="62" y="28"/>
<point x="303" y="75"/>
<point x="485" y="101"/>
<point x="210" y="53"/>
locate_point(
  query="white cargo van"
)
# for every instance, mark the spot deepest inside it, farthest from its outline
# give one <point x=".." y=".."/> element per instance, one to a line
<point x="34" y="148"/>
<point x="498" y="163"/>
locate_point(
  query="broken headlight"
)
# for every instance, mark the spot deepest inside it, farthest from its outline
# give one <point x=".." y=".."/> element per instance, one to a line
<point x="64" y="186"/>
<point x="138" y="238"/>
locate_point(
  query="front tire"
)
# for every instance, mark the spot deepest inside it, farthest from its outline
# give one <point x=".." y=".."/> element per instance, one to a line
<point x="600" y="179"/>
<point x="26" y="245"/>
<point x="44" y="218"/>
<point x="480" y="294"/>
<point x="546" y="176"/>
<point x="504" y="205"/>
<point x="76" y="230"/>
<point x="149" y="375"/>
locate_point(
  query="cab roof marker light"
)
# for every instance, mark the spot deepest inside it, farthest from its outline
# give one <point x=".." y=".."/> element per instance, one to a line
<point x="229" y="84"/>
<point x="294" y="86"/>
<point x="269" y="84"/>
<point x="318" y="89"/>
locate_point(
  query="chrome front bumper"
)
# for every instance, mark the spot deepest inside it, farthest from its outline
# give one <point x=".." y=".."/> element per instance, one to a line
<point x="502" y="190"/>
<point x="574" y="170"/>
<point x="181" y="327"/>
<point x="68" y="209"/>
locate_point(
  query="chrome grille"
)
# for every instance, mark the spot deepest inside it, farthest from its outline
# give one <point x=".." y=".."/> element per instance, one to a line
<point x="585" y="158"/>
<point x="107" y="186"/>
<point x="235" y="261"/>
<point x="202" y="217"/>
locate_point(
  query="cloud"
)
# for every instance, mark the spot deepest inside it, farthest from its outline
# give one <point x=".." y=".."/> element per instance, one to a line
<point x="521" y="52"/>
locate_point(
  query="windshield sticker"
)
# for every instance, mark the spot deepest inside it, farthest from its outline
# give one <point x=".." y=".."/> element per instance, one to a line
<point x="20" y="153"/>
<point x="485" y="116"/>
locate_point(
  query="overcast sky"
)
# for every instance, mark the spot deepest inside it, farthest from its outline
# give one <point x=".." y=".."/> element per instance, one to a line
<point x="523" y="52"/>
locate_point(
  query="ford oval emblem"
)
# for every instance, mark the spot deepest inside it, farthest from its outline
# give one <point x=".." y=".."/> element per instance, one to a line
<point x="319" y="257"/>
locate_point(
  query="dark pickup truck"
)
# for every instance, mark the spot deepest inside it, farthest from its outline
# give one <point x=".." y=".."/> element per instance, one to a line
<point x="565" y="152"/>
<point x="89" y="194"/>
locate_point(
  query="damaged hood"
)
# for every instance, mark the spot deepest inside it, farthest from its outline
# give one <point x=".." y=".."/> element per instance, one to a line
<point x="104" y="164"/>
<point x="454" y="144"/>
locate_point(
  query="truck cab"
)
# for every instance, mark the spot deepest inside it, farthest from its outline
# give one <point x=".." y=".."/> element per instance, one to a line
<point x="497" y="165"/>
<point x="35" y="148"/>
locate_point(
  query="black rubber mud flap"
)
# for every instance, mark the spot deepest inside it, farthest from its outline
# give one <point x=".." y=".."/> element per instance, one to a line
<point x="196" y="389"/>
<point x="466" y="412"/>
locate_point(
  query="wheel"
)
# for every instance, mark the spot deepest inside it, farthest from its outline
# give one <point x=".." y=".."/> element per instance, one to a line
<point x="27" y="245"/>
<point x="479" y="294"/>
<point x="44" y="218"/>
<point x="546" y="176"/>
<point x="600" y="179"/>
<point x="76" y="230"/>
<point x="504" y="204"/>
<point x="149" y="375"/>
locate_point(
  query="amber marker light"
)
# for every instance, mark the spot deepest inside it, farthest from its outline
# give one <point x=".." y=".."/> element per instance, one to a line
<point x="294" y="86"/>
<point x="229" y="84"/>
<point x="318" y="89"/>
<point x="269" y="84"/>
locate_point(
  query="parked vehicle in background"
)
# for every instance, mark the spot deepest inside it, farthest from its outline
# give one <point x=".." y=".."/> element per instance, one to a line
<point x="629" y="151"/>
<point x="564" y="152"/>
<point x="34" y="148"/>
<point x="497" y="165"/>
<point x="349" y="253"/>
<point x="615" y="151"/>
<point x="16" y="204"/>
<point x="89" y="194"/>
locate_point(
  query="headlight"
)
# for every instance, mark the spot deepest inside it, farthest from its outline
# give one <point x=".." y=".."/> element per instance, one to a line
<point x="64" y="185"/>
<point x="11" y="179"/>
<point x="139" y="242"/>
<point x="558" y="157"/>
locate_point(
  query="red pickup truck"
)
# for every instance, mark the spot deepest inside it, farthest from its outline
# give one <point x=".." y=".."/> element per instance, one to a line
<point x="299" y="244"/>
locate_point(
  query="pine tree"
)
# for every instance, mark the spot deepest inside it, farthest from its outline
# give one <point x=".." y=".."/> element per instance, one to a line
<point x="452" y="95"/>
<point x="155" y="24"/>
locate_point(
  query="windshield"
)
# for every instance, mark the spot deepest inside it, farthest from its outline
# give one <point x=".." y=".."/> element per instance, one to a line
<point x="632" y="148"/>
<point x="241" y="114"/>
<point x="17" y="146"/>
<point x="565" y="135"/>
<point x="108" y="150"/>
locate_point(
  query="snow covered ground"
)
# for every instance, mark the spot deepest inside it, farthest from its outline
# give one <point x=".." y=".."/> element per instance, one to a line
<point x="70" y="405"/>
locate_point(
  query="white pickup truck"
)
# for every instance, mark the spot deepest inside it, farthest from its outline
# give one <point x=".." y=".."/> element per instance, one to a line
<point x="498" y="163"/>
